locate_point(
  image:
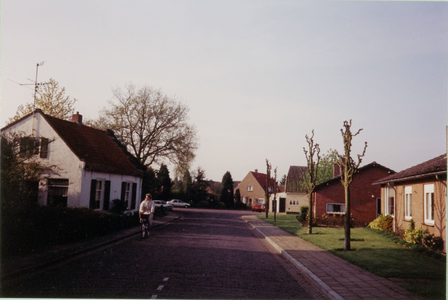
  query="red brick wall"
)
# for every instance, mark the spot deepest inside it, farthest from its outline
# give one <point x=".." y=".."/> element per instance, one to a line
<point x="363" y="195"/>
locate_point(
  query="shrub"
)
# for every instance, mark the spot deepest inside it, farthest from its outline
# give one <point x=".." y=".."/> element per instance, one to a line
<point x="414" y="236"/>
<point x="118" y="206"/>
<point x="383" y="223"/>
<point x="221" y="205"/>
<point x="29" y="228"/>
<point x="325" y="219"/>
<point x="304" y="212"/>
<point x="432" y="242"/>
<point x="203" y="204"/>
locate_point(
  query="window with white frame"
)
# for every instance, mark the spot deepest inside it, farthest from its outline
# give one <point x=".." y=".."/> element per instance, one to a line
<point x="57" y="192"/>
<point x="127" y="194"/>
<point x="429" y="204"/>
<point x="408" y="202"/>
<point x="99" y="193"/>
<point x="260" y="200"/>
<point x="250" y="188"/>
<point x="389" y="196"/>
<point x="335" y="208"/>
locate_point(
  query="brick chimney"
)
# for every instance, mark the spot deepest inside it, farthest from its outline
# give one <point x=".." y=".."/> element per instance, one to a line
<point x="256" y="171"/>
<point x="336" y="170"/>
<point x="77" y="118"/>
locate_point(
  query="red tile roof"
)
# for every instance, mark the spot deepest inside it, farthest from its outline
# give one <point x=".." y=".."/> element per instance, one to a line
<point x="432" y="167"/>
<point x="93" y="146"/>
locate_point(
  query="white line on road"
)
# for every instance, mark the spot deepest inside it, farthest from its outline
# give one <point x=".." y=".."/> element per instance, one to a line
<point x="160" y="287"/>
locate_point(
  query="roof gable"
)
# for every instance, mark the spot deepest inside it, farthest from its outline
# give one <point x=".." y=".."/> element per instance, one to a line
<point x="295" y="174"/>
<point x="337" y="179"/>
<point x="93" y="146"/>
<point x="435" y="166"/>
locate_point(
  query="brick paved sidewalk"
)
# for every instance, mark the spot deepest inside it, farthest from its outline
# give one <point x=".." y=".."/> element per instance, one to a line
<point x="18" y="265"/>
<point x="336" y="277"/>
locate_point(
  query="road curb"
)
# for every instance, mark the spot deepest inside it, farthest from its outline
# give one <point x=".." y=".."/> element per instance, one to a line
<point x="329" y="292"/>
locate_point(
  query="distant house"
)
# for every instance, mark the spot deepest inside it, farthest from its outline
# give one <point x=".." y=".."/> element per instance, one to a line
<point x="295" y="193"/>
<point x="252" y="188"/>
<point x="365" y="198"/>
<point x="280" y="198"/>
<point x="94" y="168"/>
<point x="418" y="194"/>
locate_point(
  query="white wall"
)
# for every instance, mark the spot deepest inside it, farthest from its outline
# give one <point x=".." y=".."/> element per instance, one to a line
<point x="70" y="167"/>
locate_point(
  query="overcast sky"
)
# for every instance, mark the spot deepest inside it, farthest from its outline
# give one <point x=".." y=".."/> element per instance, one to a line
<point x="257" y="75"/>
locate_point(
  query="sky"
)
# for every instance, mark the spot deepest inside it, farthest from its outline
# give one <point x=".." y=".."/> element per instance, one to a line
<point x="257" y="75"/>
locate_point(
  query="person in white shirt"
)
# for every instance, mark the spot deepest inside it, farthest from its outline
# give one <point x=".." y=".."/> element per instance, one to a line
<point x="147" y="207"/>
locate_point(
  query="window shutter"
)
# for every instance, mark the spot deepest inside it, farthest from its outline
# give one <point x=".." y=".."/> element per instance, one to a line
<point x="123" y="190"/>
<point x="106" y="195"/>
<point x="44" y="148"/>
<point x="134" y="195"/>
<point x="92" y="194"/>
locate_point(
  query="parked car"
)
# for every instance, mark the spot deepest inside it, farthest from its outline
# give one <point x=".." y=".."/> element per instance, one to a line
<point x="258" y="207"/>
<point x="178" y="203"/>
<point x="162" y="205"/>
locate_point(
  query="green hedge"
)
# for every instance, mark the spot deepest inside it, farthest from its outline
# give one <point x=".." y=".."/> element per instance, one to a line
<point x="28" y="229"/>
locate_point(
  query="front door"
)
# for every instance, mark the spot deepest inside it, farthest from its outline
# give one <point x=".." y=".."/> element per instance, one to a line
<point x="378" y="207"/>
<point x="282" y="205"/>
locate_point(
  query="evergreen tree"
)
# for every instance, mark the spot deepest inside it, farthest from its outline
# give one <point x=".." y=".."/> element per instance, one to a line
<point x="238" y="198"/>
<point x="199" y="187"/>
<point x="163" y="176"/>
<point x="150" y="183"/>
<point x="187" y="185"/>
<point x="227" y="190"/>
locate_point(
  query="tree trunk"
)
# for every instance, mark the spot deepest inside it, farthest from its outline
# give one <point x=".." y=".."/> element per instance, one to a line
<point x="347" y="218"/>
<point x="310" y="215"/>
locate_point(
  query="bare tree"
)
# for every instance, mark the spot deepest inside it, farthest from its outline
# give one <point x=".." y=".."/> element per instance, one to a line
<point x="51" y="99"/>
<point x="312" y="173"/>
<point x="268" y="180"/>
<point x="152" y="125"/>
<point x="348" y="168"/>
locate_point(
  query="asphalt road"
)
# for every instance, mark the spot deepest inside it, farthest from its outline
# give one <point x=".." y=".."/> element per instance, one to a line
<point x="207" y="254"/>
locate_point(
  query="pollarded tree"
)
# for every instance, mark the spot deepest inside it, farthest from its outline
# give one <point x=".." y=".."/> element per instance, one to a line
<point x="266" y="190"/>
<point x="312" y="172"/>
<point x="51" y="99"/>
<point x="152" y="125"/>
<point x="226" y="195"/>
<point x="348" y="168"/>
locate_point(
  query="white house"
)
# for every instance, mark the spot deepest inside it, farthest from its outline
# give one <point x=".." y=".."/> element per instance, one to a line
<point x="93" y="167"/>
<point x="296" y="195"/>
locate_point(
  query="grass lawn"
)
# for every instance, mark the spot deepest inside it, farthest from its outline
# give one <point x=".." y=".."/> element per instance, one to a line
<point x="375" y="253"/>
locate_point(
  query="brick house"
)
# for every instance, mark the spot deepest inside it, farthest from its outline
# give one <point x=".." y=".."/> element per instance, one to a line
<point x="365" y="198"/>
<point x="252" y="188"/>
<point x="419" y="194"/>
<point x="93" y="166"/>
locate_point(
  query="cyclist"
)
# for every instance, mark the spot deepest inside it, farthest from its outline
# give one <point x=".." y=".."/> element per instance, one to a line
<point x="146" y="212"/>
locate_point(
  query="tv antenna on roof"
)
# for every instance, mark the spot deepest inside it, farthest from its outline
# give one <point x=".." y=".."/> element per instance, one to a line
<point x="36" y="84"/>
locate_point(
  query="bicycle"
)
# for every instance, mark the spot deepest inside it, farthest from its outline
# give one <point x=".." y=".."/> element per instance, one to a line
<point x="145" y="225"/>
